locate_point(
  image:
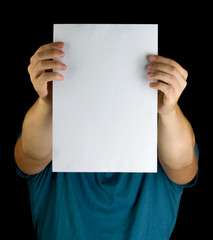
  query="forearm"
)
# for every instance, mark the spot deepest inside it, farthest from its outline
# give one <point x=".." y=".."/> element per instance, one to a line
<point x="37" y="131"/>
<point x="175" y="140"/>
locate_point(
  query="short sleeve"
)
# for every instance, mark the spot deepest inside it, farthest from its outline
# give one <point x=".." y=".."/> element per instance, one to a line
<point x="34" y="178"/>
<point x="27" y="177"/>
<point x="194" y="181"/>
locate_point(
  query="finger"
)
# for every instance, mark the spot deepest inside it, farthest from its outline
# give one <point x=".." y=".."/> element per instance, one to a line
<point x="162" y="67"/>
<point x="46" y="55"/>
<point x="55" y="45"/>
<point x="42" y="66"/>
<point x="162" y="76"/>
<point x="50" y="76"/>
<point x="41" y="85"/>
<point x="167" y="89"/>
<point x="168" y="61"/>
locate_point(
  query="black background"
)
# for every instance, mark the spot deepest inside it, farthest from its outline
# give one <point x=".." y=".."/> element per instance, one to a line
<point x="187" y="42"/>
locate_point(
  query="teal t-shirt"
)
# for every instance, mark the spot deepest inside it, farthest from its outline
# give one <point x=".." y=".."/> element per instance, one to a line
<point x="103" y="206"/>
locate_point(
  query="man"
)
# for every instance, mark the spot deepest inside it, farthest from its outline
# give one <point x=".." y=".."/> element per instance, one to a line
<point x="121" y="206"/>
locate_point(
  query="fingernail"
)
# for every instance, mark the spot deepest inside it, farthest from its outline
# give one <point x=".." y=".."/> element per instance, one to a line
<point x="150" y="74"/>
<point x="61" y="77"/>
<point x="60" y="44"/>
<point x="150" y="66"/>
<point x="153" y="58"/>
<point x="64" y="66"/>
<point x="61" y="53"/>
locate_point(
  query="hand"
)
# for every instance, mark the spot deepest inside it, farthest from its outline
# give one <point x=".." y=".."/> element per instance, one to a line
<point x="171" y="81"/>
<point x="41" y="69"/>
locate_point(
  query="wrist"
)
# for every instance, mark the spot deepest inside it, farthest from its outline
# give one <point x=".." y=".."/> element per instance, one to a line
<point x="45" y="104"/>
<point x="170" y="114"/>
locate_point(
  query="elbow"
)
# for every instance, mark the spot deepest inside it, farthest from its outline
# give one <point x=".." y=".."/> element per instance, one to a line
<point x="176" y="164"/>
<point x="29" y="151"/>
<point x="183" y="158"/>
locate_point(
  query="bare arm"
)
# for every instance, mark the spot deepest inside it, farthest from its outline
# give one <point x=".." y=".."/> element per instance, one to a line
<point x="33" y="150"/>
<point x="176" y="140"/>
<point x="176" y="147"/>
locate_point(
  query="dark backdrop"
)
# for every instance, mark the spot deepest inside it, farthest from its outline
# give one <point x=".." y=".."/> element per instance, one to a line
<point x="187" y="43"/>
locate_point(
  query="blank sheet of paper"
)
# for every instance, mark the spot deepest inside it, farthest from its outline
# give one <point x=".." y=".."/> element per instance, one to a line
<point x="104" y="112"/>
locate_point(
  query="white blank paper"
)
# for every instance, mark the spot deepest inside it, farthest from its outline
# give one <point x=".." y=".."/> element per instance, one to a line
<point x="104" y="112"/>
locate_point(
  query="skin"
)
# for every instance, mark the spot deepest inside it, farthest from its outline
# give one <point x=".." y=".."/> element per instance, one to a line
<point x="33" y="150"/>
<point x="176" y="140"/>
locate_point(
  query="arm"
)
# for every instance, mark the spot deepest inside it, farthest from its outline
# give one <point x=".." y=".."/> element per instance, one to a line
<point x="33" y="150"/>
<point x="176" y="140"/>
